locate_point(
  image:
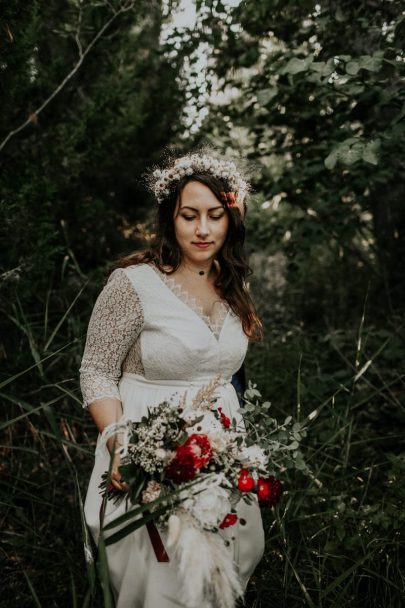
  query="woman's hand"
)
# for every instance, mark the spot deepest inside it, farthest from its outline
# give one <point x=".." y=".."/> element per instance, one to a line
<point x="113" y="444"/>
<point x="105" y="412"/>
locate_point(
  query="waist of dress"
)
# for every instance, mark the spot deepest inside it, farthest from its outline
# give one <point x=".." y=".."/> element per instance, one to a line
<point x="196" y="382"/>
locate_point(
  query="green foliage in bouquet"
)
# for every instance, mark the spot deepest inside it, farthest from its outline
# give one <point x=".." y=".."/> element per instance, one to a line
<point x="282" y="440"/>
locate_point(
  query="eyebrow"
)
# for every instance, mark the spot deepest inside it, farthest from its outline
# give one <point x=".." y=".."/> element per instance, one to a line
<point x="196" y="210"/>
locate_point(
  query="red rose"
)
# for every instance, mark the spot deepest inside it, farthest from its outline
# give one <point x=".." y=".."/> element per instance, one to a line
<point x="226" y="423"/>
<point x="182" y="467"/>
<point x="229" y="520"/>
<point x="269" y="490"/>
<point x="246" y="483"/>
<point x="200" y="447"/>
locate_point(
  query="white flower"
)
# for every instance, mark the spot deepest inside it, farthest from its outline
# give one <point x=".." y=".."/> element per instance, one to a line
<point x="152" y="492"/>
<point x="210" y="506"/>
<point x="253" y="456"/>
<point x="219" y="441"/>
<point x="207" y="426"/>
<point x="183" y="163"/>
<point x="160" y="454"/>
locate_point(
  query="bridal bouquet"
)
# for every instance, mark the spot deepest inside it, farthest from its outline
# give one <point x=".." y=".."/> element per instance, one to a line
<point x="187" y="468"/>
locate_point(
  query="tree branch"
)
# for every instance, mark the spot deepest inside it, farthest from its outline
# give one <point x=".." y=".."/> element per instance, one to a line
<point x="125" y="7"/>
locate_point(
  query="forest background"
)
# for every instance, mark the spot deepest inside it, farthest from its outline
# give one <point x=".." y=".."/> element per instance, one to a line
<point x="311" y="95"/>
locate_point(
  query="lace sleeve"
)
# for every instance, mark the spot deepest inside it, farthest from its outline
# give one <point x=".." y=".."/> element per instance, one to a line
<point x="115" y="323"/>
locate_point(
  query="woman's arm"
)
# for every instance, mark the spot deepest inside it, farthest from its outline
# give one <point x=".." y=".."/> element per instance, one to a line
<point x="105" y="412"/>
<point x="115" y="323"/>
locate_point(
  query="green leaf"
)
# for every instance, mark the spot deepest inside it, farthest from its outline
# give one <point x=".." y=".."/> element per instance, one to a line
<point x="330" y="160"/>
<point x="295" y="65"/>
<point x="350" y="154"/>
<point x="88" y="553"/>
<point x="335" y="583"/>
<point x="354" y="88"/>
<point x="339" y="15"/>
<point x="352" y="67"/>
<point x="103" y="572"/>
<point x="135" y="525"/>
<point x="370" y="152"/>
<point x="37" y="603"/>
<point x="372" y="63"/>
<point x="264" y="96"/>
<point x="322" y="67"/>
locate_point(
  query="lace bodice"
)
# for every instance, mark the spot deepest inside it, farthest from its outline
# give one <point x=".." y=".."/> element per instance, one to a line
<point x="220" y="311"/>
<point x="146" y="323"/>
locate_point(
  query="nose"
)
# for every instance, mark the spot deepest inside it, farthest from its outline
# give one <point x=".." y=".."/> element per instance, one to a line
<point x="202" y="228"/>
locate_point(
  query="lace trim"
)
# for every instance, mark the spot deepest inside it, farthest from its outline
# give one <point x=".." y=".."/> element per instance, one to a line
<point x="216" y="324"/>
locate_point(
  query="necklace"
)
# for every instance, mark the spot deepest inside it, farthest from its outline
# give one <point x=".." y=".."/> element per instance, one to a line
<point x="199" y="272"/>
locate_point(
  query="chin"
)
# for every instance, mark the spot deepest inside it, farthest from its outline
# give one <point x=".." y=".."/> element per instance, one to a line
<point x="200" y="255"/>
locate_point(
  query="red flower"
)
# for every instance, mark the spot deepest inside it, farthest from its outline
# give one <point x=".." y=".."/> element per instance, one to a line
<point x="229" y="198"/>
<point x="246" y="483"/>
<point x="229" y="520"/>
<point x="200" y="447"/>
<point x="182" y="466"/>
<point x="192" y="455"/>
<point x="226" y="423"/>
<point x="269" y="490"/>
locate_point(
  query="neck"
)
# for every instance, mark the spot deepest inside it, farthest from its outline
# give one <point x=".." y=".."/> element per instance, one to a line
<point x="203" y="269"/>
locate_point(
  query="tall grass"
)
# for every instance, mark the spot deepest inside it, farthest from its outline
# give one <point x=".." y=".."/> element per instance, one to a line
<point x="337" y="536"/>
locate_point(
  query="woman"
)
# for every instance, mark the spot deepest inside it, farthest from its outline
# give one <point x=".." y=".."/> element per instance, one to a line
<point x="168" y="321"/>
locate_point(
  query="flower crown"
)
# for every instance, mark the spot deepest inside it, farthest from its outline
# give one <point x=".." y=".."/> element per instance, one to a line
<point x="161" y="180"/>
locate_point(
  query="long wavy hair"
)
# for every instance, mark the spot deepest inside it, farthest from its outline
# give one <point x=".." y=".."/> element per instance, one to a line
<point x="233" y="267"/>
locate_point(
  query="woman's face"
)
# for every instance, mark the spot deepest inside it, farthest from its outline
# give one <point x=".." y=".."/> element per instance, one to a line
<point x="200" y="223"/>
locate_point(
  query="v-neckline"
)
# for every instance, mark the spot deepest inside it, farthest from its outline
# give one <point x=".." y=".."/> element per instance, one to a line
<point x="192" y="304"/>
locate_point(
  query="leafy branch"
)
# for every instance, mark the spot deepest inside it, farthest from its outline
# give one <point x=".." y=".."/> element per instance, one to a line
<point x="82" y="54"/>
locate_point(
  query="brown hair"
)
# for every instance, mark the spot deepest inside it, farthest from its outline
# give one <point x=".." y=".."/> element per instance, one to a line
<point x="234" y="269"/>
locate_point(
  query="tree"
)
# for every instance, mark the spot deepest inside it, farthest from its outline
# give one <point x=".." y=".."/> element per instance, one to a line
<point x="316" y="93"/>
<point x="72" y="176"/>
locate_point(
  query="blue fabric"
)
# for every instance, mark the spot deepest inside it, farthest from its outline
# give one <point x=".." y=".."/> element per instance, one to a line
<point x="239" y="383"/>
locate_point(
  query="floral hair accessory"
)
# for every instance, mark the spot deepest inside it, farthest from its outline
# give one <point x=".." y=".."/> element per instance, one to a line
<point x="229" y="199"/>
<point x="161" y="180"/>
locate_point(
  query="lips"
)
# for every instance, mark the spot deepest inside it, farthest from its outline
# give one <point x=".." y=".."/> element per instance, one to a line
<point x="202" y="245"/>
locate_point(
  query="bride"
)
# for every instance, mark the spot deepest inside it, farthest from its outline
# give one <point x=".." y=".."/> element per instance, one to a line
<point x="169" y="320"/>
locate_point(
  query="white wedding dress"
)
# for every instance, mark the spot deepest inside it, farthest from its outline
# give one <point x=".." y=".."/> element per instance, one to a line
<point x="148" y="339"/>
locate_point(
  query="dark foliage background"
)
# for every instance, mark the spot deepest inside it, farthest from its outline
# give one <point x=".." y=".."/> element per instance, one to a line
<point x="312" y="96"/>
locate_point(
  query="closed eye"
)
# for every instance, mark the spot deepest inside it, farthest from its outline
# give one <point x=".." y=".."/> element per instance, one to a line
<point x="189" y="218"/>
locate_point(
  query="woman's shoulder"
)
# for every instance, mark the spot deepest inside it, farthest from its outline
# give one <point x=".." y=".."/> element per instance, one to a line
<point x="134" y="275"/>
<point x="139" y="275"/>
<point x="130" y="270"/>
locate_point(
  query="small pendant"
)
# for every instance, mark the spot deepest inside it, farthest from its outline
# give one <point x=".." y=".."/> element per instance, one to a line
<point x="201" y="272"/>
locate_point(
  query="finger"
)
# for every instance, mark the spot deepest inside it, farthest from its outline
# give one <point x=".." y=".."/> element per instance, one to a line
<point x="117" y="481"/>
<point x="118" y="485"/>
<point x="115" y="484"/>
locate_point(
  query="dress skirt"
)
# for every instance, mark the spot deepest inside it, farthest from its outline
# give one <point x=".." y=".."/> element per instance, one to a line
<point x="138" y="580"/>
